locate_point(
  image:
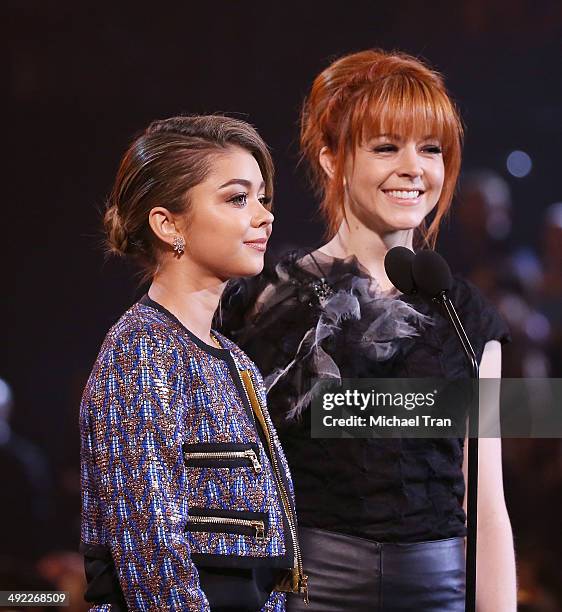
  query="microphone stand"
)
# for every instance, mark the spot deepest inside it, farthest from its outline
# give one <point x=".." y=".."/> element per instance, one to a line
<point x="472" y="484"/>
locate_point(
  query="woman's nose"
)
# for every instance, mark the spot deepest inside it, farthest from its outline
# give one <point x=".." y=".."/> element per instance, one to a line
<point x="262" y="216"/>
<point x="410" y="163"/>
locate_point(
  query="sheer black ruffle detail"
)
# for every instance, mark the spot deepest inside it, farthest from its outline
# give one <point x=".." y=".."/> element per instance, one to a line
<point x="315" y="316"/>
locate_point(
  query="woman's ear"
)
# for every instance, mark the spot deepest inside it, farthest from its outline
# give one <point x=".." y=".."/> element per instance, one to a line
<point x="163" y="225"/>
<point x="326" y="160"/>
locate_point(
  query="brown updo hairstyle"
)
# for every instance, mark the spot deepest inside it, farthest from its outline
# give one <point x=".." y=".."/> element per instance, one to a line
<point x="374" y="92"/>
<point x="160" y="167"/>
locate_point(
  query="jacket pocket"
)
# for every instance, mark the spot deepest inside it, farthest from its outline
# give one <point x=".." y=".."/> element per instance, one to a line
<point x="254" y="524"/>
<point x="222" y="454"/>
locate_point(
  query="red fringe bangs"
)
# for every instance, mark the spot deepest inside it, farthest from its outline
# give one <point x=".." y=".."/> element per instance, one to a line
<point x="407" y="107"/>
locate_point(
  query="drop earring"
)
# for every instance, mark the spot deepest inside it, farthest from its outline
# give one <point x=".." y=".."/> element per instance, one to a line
<point x="179" y="245"/>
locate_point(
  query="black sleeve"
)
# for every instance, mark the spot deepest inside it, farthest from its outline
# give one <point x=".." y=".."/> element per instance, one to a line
<point x="479" y="316"/>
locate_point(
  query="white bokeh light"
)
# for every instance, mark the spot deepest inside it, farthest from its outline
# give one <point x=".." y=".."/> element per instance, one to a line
<point x="519" y="164"/>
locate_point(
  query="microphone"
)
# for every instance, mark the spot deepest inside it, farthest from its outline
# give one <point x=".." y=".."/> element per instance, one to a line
<point x="432" y="276"/>
<point x="398" y="267"/>
<point x="428" y="274"/>
<point x="431" y="273"/>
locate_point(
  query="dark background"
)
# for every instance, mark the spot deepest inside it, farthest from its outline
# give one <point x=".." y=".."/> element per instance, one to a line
<point x="82" y="78"/>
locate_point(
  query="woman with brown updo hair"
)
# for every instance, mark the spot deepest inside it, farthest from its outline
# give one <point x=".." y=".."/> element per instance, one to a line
<point x="382" y="520"/>
<point x="187" y="501"/>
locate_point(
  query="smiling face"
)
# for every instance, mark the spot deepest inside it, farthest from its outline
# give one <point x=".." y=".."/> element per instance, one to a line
<point x="394" y="182"/>
<point x="228" y="223"/>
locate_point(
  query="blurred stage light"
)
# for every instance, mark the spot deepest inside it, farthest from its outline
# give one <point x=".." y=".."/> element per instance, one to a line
<point x="5" y="393"/>
<point x="553" y="215"/>
<point x="537" y="327"/>
<point x="519" y="164"/>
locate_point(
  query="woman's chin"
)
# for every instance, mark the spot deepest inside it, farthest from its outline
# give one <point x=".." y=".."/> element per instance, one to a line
<point x="250" y="268"/>
<point x="409" y="220"/>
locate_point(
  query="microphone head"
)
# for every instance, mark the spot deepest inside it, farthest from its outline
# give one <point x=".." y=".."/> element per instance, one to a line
<point x="398" y="267"/>
<point x="431" y="273"/>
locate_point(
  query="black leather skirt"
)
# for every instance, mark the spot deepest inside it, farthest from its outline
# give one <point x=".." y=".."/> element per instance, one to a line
<point x="351" y="574"/>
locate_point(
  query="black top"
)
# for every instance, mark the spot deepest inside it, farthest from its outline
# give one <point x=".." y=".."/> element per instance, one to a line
<point x="315" y="315"/>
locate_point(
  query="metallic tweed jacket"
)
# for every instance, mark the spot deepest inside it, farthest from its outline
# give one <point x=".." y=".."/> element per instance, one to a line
<point x="176" y="470"/>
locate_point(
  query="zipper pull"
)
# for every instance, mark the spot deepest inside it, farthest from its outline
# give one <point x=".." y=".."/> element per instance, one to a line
<point x="260" y="531"/>
<point x="303" y="588"/>
<point x="251" y="454"/>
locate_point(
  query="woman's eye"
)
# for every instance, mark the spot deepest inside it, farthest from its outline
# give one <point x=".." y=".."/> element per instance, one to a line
<point x="387" y="148"/>
<point x="264" y="201"/>
<point x="240" y="199"/>
<point x="434" y="149"/>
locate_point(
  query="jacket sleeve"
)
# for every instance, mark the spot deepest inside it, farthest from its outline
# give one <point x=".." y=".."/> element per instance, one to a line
<point x="136" y="398"/>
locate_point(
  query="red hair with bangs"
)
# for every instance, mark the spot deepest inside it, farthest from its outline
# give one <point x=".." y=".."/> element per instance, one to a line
<point x="373" y="92"/>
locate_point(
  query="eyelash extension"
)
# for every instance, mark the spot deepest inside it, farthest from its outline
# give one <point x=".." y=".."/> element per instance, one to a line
<point x="241" y="199"/>
<point x="390" y="148"/>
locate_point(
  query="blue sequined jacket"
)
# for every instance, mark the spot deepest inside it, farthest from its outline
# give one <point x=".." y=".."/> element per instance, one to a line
<point x="177" y="472"/>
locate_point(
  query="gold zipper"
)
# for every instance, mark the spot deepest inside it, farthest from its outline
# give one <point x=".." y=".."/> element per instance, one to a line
<point x="299" y="578"/>
<point x="243" y="454"/>
<point x="259" y="526"/>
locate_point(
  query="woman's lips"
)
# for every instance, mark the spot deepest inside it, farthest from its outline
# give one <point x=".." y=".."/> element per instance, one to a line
<point x="404" y="197"/>
<point x="258" y="245"/>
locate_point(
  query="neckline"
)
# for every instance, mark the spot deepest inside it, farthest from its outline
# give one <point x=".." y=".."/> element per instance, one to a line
<point x="146" y="300"/>
<point x="350" y="260"/>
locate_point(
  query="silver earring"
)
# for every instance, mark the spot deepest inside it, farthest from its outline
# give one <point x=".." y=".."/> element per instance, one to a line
<point x="179" y="245"/>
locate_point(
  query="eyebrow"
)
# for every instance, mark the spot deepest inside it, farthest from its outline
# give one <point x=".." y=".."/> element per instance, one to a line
<point x="240" y="181"/>
<point x="397" y="137"/>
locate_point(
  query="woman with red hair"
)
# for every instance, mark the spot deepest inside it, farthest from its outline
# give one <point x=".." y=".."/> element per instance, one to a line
<point x="382" y="520"/>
